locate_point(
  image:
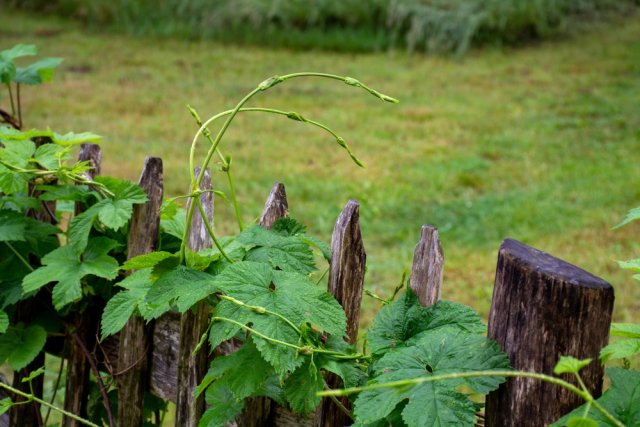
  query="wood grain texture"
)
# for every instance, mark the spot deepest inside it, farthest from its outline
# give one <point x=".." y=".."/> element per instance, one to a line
<point x="427" y="267"/>
<point x="164" y="363"/>
<point x="136" y="336"/>
<point x="543" y="308"/>
<point x="346" y="282"/>
<point x="275" y="207"/>
<point x="191" y="369"/>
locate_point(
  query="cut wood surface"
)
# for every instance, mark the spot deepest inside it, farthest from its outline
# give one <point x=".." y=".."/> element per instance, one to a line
<point x="428" y="264"/>
<point x="543" y="308"/>
<point x="136" y="336"/>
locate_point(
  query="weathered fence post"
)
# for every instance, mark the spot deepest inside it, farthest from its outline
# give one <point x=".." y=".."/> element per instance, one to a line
<point x="85" y="323"/>
<point x="346" y="282"/>
<point x="135" y="339"/>
<point x="258" y="410"/>
<point x="543" y="308"/>
<point x="193" y="323"/>
<point x="428" y="263"/>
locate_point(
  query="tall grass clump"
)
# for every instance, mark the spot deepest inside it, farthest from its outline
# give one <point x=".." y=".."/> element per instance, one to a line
<point x="433" y="26"/>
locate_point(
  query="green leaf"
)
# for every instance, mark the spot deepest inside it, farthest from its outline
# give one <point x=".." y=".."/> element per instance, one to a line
<point x="405" y="318"/>
<point x="146" y="260"/>
<point x="437" y="352"/>
<point x="20" y="345"/>
<point x="622" y="400"/>
<point x="632" y="215"/>
<point x="117" y="312"/>
<point x="113" y="213"/>
<point x="39" y="72"/>
<point x="66" y="266"/>
<point x="232" y="370"/>
<point x="570" y="365"/>
<point x="620" y="350"/>
<point x="291" y="295"/>
<point x="5" y="405"/>
<point x="4" y="321"/>
<point x="287" y="253"/>
<point x="301" y="387"/>
<point x="19" y="51"/>
<point x="12" y="226"/>
<point x="224" y="406"/>
<point x="629" y="330"/>
<point x="50" y="155"/>
<point x="33" y="375"/>
<point x="181" y="286"/>
<point x="173" y="219"/>
<point x="581" y="422"/>
<point x="632" y="264"/>
<point x="18" y="153"/>
<point x="71" y="138"/>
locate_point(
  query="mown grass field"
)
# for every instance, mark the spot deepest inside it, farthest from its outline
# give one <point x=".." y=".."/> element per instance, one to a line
<point x="541" y="144"/>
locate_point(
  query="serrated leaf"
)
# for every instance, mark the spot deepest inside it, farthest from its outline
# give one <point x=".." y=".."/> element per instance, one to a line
<point x="68" y="266"/>
<point x="181" y="286"/>
<point x="39" y="72"/>
<point x="620" y="350"/>
<point x="173" y="219"/>
<point x="622" y="400"/>
<point x="291" y="295"/>
<point x="146" y="260"/>
<point x="20" y="345"/>
<point x="49" y="156"/>
<point x="71" y="138"/>
<point x="19" y="51"/>
<point x="7" y="57"/>
<point x="301" y="387"/>
<point x="287" y="253"/>
<point x="224" y="406"/>
<point x="4" y="321"/>
<point x="117" y="312"/>
<point x="232" y="370"/>
<point x="437" y="352"/>
<point x="113" y="213"/>
<point x="405" y="318"/>
<point x="12" y="226"/>
<point x="570" y="365"/>
<point x="5" y="405"/>
<point x="324" y="248"/>
<point x="632" y="215"/>
<point x="629" y="330"/>
<point x="17" y="153"/>
<point x="288" y="226"/>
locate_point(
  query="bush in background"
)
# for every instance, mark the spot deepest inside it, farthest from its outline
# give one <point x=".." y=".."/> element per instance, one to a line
<point x="344" y="25"/>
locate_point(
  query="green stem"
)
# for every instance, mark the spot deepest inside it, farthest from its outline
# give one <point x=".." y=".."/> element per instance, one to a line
<point x="458" y="375"/>
<point x="207" y="225"/>
<point x="261" y="310"/>
<point x="323" y="275"/>
<point x="258" y="334"/>
<point x="234" y="198"/>
<point x="20" y="257"/>
<point x="33" y="398"/>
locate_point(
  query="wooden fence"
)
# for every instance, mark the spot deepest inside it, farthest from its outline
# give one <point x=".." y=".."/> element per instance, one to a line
<point x="542" y="308"/>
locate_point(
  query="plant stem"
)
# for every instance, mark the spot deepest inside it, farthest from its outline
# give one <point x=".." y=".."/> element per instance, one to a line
<point x="258" y="334"/>
<point x="31" y="397"/>
<point x="339" y="404"/>
<point x="207" y="225"/>
<point x="261" y="310"/>
<point x="458" y="375"/>
<point x="17" y="254"/>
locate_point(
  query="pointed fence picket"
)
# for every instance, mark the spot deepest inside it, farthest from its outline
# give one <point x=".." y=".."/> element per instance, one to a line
<point x="542" y="308"/>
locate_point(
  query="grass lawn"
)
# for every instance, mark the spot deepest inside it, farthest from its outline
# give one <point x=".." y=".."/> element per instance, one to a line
<point x="541" y="144"/>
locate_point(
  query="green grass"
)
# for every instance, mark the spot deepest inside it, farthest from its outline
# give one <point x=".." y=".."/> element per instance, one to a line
<point x="540" y="144"/>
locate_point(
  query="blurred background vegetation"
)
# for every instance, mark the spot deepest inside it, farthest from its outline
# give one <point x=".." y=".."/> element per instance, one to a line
<point x="533" y="133"/>
<point x="342" y="25"/>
